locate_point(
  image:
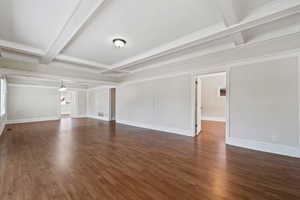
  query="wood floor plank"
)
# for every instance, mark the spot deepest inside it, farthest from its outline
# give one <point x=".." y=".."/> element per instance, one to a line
<point x="86" y="159"/>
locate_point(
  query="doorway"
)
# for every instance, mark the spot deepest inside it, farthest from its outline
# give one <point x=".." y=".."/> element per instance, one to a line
<point x="211" y="101"/>
<point x="66" y="102"/>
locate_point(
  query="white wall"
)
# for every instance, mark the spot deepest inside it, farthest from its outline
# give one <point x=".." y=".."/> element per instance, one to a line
<point x="162" y="104"/>
<point x="213" y="105"/>
<point x="26" y="103"/>
<point x="79" y="104"/>
<point x="264" y="106"/>
<point x="98" y="102"/>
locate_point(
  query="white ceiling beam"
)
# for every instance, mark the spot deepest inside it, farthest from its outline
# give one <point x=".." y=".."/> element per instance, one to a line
<point x="26" y="53"/>
<point x="20" y="48"/>
<point x="64" y="65"/>
<point x="278" y="10"/>
<point x="78" y="61"/>
<point x="83" y="11"/>
<point x="19" y="56"/>
<point x="230" y="18"/>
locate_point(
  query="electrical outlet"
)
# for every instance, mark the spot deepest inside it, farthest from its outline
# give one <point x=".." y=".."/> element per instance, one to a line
<point x="100" y="114"/>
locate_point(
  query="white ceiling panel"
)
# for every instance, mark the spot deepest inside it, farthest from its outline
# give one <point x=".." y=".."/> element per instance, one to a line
<point x="34" y="22"/>
<point x="246" y="7"/>
<point x="144" y="24"/>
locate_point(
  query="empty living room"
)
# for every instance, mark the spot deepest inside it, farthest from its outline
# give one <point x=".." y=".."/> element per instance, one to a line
<point x="150" y="100"/>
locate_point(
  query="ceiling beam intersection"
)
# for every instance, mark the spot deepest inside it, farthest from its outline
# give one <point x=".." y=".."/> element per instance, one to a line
<point x="82" y="13"/>
<point x="230" y="17"/>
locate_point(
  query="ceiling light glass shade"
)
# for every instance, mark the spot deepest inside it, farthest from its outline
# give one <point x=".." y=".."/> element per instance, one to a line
<point x="62" y="87"/>
<point x="119" y="42"/>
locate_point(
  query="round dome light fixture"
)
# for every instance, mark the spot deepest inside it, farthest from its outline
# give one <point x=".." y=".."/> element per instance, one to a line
<point x="120" y="43"/>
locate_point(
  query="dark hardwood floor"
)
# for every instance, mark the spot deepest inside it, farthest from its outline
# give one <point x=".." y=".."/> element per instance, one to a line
<point x="86" y="159"/>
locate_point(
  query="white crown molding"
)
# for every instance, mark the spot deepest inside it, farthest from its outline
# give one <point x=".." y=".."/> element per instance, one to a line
<point x="186" y="57"/>
<point x="219" y="68"/>
<point x="164" y="76"/>
<point x="44" y="86"/>
<point x="30" y="85"/>
<point x="69" y="59"/>
<point x="83" y="11"/>
<point x="8" y="71"/>
<point x="219" y="49"/>
<point x="276" y="11"/>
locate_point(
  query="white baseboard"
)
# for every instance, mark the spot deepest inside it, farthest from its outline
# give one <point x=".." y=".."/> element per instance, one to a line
<point x="264" y="146"/>
<point x="97" y="117"/>
<point x="2" y="128"/>
<point x="40" y="119"/>
<point x="79" y="116"/>
<point x="216" y="119"/>
<point x="158" y="128"/>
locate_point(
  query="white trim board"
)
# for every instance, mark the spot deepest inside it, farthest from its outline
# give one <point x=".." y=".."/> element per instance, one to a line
<point x="2" y="128"/>
<point x="97" y="117"/>
<point x="39" y="119"/>
<point x="79" y="116"/>
<point x="158" y="128"/>
<point x="216" y="119"/>
<point x="264" y="146"/>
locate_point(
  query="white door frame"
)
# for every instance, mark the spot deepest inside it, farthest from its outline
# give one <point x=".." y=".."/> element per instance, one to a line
<point x="194" y="98"/>
<point x="198" y="108"/>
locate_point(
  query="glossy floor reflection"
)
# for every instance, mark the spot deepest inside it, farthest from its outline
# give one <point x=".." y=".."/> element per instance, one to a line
<point x="86" y="159"/>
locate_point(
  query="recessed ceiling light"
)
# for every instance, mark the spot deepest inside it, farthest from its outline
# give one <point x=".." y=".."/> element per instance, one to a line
<point x="118" y="42"/>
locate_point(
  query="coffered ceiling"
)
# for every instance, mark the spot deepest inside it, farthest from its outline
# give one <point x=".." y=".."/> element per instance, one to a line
<point x="72" y="39"/>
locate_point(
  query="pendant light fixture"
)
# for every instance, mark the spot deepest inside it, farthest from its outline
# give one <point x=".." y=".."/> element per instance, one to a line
<point x="62" y="87"/>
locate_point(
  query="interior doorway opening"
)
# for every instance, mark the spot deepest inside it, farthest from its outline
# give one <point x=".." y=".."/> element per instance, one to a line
<point x="211" y="101"/>
<point x="66" y="102"/>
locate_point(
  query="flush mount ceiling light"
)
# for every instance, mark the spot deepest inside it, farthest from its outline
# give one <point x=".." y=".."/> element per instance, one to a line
<point x="62" y="87"/>
<point x="120" y="43"/>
